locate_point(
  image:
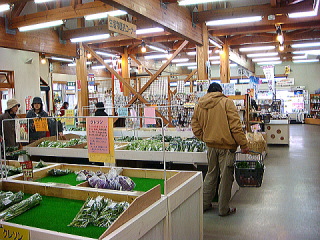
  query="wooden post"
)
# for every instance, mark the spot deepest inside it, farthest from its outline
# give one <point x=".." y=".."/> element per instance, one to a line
<point x="224" y="64"/>
<point x="125" y="70"/>
<point x="81" y="69"/>
<point x="169" y="101"/>
<point x="202" y="54"/>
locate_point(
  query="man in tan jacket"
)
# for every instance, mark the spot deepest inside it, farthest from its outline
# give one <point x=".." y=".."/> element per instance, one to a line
<point x="217" y="123"/>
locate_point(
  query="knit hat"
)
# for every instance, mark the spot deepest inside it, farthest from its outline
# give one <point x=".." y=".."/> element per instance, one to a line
<point x="215" y="87"/>
<point x="37" y="100"/>
<point x="99" y="105"/>
<point x="11" y="103"/>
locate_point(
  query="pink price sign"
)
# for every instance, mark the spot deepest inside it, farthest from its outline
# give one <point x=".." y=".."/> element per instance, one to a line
<point x="97" y="135"/>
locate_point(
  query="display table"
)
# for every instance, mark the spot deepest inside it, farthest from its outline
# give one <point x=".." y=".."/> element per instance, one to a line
<point x="277" y="131"/>
<point x="312" y="121"/>
<point x="151" y="215"/>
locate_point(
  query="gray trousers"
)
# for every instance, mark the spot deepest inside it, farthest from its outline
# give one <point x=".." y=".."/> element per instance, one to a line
<point x="220" y="162"/>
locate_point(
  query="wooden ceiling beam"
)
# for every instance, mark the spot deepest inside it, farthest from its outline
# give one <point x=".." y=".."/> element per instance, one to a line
<point x="265" y="10"/>
<point x="263" y="28"/>
<point x="175" y="19"/>
<point x="68" y="12"/>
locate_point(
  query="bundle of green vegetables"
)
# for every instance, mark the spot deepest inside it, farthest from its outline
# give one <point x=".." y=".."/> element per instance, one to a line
<point x="11" y="170"/>
<point x="76" y="129"/>
<point x="7" y="199"/>
<point x="99" y="212"/>
<point x="127" y="138"/>
<point x="21" y="207"/>
<point x="54" y="144"/>
<point x="40" y="164"/>
<point x="188" y="145"/>
<point x="59" y="172"/>
<point x="145" y="145"/>
<point x="16" y="153"/>
<point x="166" y="138"/>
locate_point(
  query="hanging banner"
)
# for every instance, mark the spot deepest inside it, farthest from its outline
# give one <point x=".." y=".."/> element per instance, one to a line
<point x="269" y="74"/>
<point x="100" y="139"/>
<point x="22" y="130"/>
<point x="228" y="89"/>
<point x="41" y="124"/>
<point x="28" y="103"/>
<point x="69" y="121"/>
<point x="150" y="112"/>
<point x="180" y="86"/>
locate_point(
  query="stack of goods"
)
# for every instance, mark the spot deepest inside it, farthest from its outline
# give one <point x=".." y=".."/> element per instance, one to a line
<point x="111" y="180"/>
<point x="99" y="212"/>
<point x="12" y="204"/>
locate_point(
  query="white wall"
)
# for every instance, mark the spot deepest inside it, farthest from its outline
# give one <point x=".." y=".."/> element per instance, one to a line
<point x="26" y="76"/>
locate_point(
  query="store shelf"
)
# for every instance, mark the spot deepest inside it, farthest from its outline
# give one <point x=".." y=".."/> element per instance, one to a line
<point x="312" y="121"/>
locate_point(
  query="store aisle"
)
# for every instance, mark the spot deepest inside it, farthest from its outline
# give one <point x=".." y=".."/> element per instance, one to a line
<point x="287" y="205"/>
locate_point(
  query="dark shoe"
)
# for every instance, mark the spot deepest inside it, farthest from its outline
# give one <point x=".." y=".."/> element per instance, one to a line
<point x="231" y="211"/>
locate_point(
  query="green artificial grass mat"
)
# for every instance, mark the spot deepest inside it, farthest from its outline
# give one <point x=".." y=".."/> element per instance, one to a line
<point x="66" y="179"/>
<point x="145" y="184"/>
<point x="55" y="214"/>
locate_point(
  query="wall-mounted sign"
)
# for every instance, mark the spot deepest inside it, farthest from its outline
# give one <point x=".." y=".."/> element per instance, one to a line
<point x="285" y="82"/>
<point x="122" y="27"/>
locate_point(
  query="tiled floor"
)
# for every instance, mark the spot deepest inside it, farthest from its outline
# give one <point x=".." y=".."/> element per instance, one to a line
<point x="287" y="205"/>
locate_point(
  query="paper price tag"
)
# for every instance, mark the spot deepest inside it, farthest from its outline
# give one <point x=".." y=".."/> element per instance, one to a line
<point x="13" y="233"/>
<point x="41" y="124"/>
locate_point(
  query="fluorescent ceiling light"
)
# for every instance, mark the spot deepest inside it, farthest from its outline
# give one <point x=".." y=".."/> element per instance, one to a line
<point x="302" y="45"/>
<point x="299" y="57"/>
<point x="195" y="53"/>
<point x="215" y="43"/>
<point x="40" y="25"/>
<point x="214" y="58"/>
<point x="107" y="60"/>
<point x="106" y="54"/>
<point x="149" y="30"/>
<point x="192" y="67"/>
<point x="306" y="61"/>
<point x="270" y="54"/>
<point x="178" y="60"/>
<point x="265" y="59"/>
<point x="90" y="38"/>
<point x="308" y="52"/>
<point x="74" y="64"/>
<point x="233" y="65"/>
<point x="234" y="20"/>
<point x="302" y="14"/>
<point x="42" y="1"/>
<point x="261" y="48"/>
<point x="157" y="49"/>
<point x="186" y="64"/>
<point x="105" y="14"/>
<point x="215" y="62"/>
<point x="191" y="2"/>
<point x="157" y="56"/>
<point x="62" y="59"/>
<point x="269" y="63"/>
<point x="4" y="7"/>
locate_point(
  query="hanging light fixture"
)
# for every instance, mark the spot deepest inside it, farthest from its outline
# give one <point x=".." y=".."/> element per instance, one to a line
<point x="280" y="37"/>
<point x="143" y="47"/>
<point x="43" y="59"/>
<point x="281" y="47"/>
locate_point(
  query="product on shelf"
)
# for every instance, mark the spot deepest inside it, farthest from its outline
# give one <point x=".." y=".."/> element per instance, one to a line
<point x="99" y="212"/>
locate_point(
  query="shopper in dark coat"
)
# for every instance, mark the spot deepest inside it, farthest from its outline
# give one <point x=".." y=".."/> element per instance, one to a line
<point x="100" y="109"/>
<point x="36" y="111"/>
<point x="9" y="126"/>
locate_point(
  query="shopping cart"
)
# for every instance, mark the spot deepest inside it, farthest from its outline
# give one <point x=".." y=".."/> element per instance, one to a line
<point x="249" y="169"/>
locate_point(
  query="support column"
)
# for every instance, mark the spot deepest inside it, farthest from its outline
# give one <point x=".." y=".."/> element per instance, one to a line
<point x="203" y="54"/>
<point x="125" y="70"/>
<point x="224" y="64"/>
<point x="82" y="83"/>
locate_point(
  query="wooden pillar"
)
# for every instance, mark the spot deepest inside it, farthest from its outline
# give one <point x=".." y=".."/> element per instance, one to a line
<point x="82" y="83"/>
<point x="224" y="64"/>
<point x="203" y="54"/>
<point x="125" y="71"/>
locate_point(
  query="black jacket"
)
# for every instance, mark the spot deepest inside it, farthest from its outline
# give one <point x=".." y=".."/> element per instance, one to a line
<point x="100" y="112"/>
